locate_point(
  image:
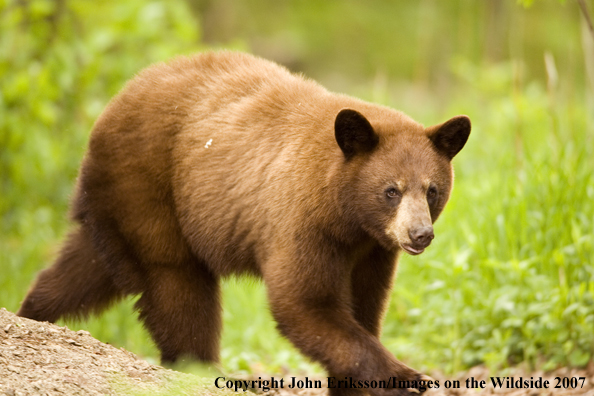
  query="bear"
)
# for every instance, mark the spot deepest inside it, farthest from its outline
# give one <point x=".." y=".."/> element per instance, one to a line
<point x="223" y="163"/>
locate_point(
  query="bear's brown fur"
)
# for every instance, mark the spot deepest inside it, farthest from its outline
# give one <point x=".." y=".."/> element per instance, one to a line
<point x="225" y="163"/>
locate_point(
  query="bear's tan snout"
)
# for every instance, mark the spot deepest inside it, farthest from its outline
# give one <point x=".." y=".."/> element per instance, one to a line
<point x="412" y="226"/>
<point x="421" y="237"/>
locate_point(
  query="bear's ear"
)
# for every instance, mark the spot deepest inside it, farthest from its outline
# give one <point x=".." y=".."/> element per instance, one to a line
<point x="354" y="134"/>
<point x="451" y="136"/>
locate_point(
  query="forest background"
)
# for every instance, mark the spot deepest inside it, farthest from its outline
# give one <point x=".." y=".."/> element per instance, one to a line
<point x="510" y="277"/>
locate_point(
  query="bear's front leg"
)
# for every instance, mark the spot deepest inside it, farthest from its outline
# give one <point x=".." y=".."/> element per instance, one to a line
<point x="311" y="301"/>
<point x="371" y="283"/>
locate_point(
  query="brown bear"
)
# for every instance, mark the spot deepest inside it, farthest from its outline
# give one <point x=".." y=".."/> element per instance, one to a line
<point x="224" y="163"/>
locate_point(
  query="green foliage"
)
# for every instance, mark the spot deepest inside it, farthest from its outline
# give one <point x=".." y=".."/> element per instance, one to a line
<point x="510" y="275"/>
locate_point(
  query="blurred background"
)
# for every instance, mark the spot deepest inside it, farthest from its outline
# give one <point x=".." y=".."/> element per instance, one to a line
<point x="509" y="279"/>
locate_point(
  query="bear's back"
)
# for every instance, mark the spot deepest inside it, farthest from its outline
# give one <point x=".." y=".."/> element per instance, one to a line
<point x="194" y="150"/>
<point x="216" y="156"/>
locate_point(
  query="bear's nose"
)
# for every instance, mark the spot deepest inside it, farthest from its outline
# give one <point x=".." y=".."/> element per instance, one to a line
<point x="421" y="236"/>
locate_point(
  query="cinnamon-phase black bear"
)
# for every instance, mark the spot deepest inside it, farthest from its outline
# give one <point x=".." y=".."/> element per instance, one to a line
<point x="224" y="163"/>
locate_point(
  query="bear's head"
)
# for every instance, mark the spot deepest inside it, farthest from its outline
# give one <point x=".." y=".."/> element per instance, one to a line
<point x="397" y="174"/>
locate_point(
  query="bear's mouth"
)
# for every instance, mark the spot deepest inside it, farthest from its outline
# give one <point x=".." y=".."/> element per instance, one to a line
<point x="411" y="250"/>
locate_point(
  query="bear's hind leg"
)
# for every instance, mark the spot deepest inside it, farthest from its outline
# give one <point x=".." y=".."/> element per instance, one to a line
<point x="181" y="308"/>
<point x="77" y="284"/>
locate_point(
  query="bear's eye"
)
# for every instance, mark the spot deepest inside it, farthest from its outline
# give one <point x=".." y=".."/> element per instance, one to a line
<point x="431" y="195"/>
<point x="392" y="193"/>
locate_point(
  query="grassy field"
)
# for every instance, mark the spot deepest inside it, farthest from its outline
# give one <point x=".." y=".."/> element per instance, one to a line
<point x="509" y="278"/>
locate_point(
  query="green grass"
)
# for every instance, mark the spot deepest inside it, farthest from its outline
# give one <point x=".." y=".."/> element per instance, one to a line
<point x="508" y="279"/>
<point x="170" y="384"/>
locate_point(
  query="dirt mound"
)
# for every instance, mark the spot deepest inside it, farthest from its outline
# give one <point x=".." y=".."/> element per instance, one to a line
<point x="39" y="358"/>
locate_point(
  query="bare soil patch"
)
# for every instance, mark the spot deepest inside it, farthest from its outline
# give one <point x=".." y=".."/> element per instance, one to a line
<point x="39" y="358"/>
